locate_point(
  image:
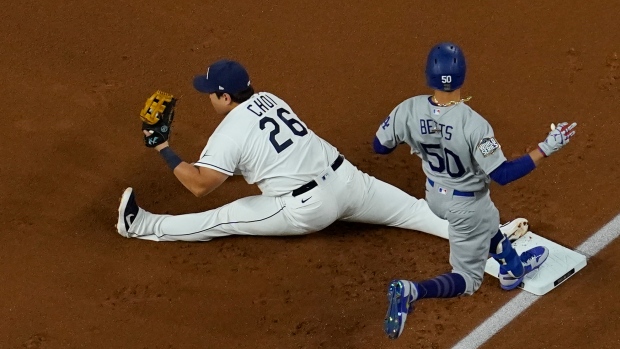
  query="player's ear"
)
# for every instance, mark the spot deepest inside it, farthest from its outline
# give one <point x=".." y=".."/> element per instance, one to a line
<point x="227" y="98"/>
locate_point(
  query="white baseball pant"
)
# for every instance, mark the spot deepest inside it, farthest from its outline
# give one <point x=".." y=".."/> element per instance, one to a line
<point x="346" y="194"/>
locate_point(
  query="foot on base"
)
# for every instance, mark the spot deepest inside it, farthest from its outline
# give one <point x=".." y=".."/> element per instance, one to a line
<point x="531" y="259"/>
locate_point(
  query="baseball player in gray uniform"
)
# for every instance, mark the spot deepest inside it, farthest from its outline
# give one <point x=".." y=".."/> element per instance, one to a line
<point x="460" y="156"/>
<point x="306" y="184"/>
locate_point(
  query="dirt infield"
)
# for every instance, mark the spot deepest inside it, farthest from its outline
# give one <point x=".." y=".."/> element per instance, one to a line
<point x="74" y="75"/>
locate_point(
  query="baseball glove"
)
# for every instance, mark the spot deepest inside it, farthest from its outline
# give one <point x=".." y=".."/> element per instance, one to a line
<point x="157" y="116"/>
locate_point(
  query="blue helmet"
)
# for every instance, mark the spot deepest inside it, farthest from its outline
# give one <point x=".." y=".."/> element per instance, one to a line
<point x="445" y="67"/>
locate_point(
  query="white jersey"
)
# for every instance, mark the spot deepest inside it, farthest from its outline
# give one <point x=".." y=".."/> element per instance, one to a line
<point x="456" y="143"/>
<point x="264" y="140"/>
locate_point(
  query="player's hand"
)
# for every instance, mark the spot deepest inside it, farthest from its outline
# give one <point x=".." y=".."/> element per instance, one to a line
<point x="149" y="135"/>
<point x="557" y="138"/>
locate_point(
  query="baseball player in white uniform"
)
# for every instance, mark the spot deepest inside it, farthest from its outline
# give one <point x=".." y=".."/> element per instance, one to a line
<point x="460" y="156"/>
<point x="306" y="183"/>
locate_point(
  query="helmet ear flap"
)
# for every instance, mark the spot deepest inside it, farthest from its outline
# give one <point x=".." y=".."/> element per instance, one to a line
<point x="445" y="67"/>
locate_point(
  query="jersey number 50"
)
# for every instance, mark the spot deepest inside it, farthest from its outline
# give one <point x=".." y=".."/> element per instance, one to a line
<point x="443" y="163"/>
<point x="296" y="127"/>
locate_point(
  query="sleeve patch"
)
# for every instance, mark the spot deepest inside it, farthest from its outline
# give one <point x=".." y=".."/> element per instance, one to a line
<point x="488" y="146"/>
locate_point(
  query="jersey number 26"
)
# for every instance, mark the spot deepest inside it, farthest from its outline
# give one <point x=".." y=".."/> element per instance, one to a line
<point x="296" y="127"/>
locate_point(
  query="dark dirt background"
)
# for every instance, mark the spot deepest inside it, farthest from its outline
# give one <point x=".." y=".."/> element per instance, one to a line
<point x="74" y="75"/>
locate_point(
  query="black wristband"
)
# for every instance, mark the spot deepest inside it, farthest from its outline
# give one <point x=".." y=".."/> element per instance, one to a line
<point x="172" y="159"/>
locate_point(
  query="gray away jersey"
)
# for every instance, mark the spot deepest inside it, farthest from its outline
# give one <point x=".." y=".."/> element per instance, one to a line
<point x="456" y="144"/>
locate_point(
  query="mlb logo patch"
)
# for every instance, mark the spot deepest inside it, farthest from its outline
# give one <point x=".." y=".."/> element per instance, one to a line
<point x="436" y="111"/>
<point x="443" y="191"/>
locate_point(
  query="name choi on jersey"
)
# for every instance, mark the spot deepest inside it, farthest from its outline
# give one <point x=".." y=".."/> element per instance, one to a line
<point x="430" y="126"/>
<point x="261" y="104"/>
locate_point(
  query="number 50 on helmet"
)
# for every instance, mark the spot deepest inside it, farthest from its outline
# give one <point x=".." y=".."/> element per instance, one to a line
<point x="445" y="67"/>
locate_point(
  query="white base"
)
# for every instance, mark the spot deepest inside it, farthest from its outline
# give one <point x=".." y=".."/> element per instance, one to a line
<point x="561" y="264"/>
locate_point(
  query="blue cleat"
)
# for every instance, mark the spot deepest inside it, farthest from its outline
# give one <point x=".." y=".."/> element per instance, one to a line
<point x="531" y="259"/>
<point x="401" y="295"/>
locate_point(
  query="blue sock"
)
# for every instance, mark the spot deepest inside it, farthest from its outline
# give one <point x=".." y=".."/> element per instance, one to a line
<point x="496" y="240"/>
<point x="502" y="251"/>
<point x="444" y="286"/>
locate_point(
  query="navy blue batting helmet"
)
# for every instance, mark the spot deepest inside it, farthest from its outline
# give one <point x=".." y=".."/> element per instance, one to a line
<point x="445" y="67"/>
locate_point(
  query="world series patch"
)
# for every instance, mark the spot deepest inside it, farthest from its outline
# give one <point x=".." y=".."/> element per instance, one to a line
<point x="488" y="146"/>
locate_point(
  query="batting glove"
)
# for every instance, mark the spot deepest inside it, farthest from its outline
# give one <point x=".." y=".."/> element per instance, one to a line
<point x="557" y="138"/>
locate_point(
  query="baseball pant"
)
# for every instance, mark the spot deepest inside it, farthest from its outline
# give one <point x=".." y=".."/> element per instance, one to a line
<point x="473" y="221"/>
<point x="346" y="194"/>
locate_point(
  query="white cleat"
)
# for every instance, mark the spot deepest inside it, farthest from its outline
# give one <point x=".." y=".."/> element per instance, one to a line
<point x="515" y="228"/>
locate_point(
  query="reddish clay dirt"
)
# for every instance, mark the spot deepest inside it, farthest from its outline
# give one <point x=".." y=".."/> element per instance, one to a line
<point x="74" y="75"/>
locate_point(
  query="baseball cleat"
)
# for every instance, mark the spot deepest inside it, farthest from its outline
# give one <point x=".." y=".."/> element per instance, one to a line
<point x="515" y="228"/>
<point x="531" y="259"/>
<point x="127" y="212"/>
<point x="401" y="295"/>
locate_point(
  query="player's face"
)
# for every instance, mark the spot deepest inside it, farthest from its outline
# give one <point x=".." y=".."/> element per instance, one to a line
<point x="222" y="104"/>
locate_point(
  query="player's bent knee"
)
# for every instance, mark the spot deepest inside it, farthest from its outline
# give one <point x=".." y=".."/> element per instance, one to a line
<point x="472" y="283"/>
<point x="475" y="285"/>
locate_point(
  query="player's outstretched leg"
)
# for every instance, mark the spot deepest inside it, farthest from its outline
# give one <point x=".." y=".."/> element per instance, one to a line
<point x="402" y="295"/>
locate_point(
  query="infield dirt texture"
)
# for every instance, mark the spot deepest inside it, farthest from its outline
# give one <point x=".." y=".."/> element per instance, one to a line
<point x="74" y="76"/>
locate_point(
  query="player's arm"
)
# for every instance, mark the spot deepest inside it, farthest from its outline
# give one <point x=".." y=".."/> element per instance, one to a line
<point x="510" y="171"/>
<point x="199" y="180"/>
<point x="380" y="148"/>
<point x="389" y="136"/>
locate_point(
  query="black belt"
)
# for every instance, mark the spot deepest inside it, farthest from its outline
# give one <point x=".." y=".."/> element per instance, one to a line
<point x="454" y="191"/>
<point x="312" y="184"/>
